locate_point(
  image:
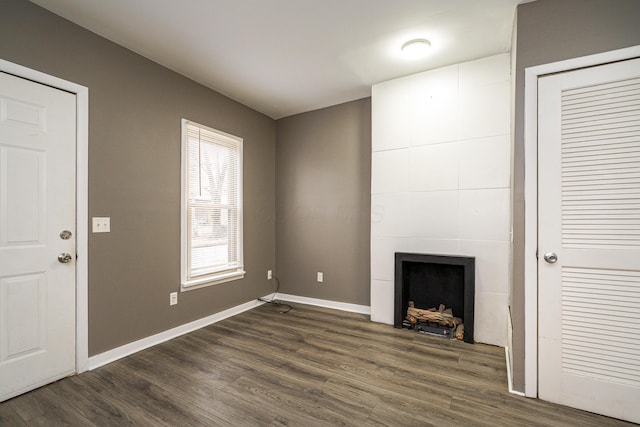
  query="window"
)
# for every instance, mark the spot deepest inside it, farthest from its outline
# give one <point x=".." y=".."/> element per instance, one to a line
<point x="211" y="206"/>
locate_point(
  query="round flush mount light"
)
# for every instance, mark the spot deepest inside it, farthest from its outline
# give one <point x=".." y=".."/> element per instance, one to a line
<point x="416" y="48"/>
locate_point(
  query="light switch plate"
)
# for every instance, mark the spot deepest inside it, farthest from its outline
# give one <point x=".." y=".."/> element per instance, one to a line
<point x="101" y="224"/>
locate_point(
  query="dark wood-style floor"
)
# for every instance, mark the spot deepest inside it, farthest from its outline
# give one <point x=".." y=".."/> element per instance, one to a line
<point x="309" y="367"/>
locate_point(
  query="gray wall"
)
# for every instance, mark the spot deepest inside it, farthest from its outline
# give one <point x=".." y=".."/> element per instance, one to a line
<point x="135" y="107"/>
<point x="323" y="186"/>
<point x="549" y="31"/>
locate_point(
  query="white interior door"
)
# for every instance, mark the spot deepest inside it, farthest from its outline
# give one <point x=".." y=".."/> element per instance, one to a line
<point x="589" y="217"/>
<point x="37" y="204"/>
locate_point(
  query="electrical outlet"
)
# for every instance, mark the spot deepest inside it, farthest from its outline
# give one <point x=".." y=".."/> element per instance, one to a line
<point x="320" y="276"/>
<point x="173" y="298"/>
<point x="269" y="274"/>
<point x="101" y="224"/>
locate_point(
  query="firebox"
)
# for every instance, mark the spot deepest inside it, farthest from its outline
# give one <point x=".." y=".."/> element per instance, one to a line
<point x="430" y="281"/>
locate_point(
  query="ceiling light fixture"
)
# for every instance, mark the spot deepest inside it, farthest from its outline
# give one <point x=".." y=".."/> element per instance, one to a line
<point x="416" y="48"/>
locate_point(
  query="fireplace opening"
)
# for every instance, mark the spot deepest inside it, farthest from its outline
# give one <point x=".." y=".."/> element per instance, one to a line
<point x="441" y="282"/>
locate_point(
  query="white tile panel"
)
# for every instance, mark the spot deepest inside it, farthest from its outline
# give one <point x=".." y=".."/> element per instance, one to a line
<point x="434" y="106"/>
<point x="382" y="292"/>
<point x="390" y="215"/>
<point x="435" y="246"/>
<point x="492" y="264"/>
<point x="390" y="118"/>
<point x="390" y="171"/>
<point x="383" y="251"/>
<point x="485" y="163"/>
<point x="434" y="215"/>
<point x="484" y="214"/>
<point x="485" y="71"/>
<point x="490" y="317"/>
<point x="434" y="167"/>
<point x="484" y="110"/>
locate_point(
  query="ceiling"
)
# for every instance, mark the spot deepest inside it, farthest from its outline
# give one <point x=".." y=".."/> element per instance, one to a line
<point x="283" y="57"/>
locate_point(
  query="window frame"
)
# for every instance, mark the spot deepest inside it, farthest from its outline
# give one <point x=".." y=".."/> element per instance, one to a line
<point x="188" y="282"/>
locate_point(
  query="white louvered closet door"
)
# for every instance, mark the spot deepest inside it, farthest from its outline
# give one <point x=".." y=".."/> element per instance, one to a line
<point x="589" y="216"/>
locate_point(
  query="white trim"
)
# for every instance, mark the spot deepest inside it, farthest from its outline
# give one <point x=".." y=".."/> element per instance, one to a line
<point x="136" y="346"/>
<point x="507" y="357"/>
<point x="82" y="233"/>
<point x="210" y="281"/>
<point x="531" y="234"/>
<point x="188" y="281"/>
<point x="82" y="198"/>
<point x="344" y="306"/>
<point x="531" y="196"/>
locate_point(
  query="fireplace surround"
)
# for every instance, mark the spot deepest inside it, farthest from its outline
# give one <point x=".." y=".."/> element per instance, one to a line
<point x="430" y="280"/>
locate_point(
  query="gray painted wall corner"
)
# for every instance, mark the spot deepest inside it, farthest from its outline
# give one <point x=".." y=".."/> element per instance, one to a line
<point x="550" y="31"/>
<point x="323" y="199"/>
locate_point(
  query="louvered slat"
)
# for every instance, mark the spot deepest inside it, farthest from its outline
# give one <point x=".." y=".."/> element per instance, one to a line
<point x="600" y="198"/>
<point x="600" y="323"/>
<point x="600" y="143"/>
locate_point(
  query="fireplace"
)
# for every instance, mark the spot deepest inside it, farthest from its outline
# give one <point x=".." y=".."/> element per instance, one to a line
<point x="430" y="280"/>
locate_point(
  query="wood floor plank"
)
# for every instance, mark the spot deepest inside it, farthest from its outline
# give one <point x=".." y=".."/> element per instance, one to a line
<point x="286" y="404"/>
<point x="43" y="407"/>
<point x="309" y="367"/>
<point x="146" y="401"/>
<point x="9" y="417"/>
<point x="99" y="411"/>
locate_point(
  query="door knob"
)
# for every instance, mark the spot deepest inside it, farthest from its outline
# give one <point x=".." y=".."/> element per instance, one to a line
<point x="550" y="257"/>
<point x="64" y="258"/>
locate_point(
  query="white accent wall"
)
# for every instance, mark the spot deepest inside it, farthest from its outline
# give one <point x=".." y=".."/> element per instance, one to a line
<point x="440" y="181"/>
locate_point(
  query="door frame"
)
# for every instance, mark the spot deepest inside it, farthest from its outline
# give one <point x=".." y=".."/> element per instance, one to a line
<point x="82" y="199"/>
<point x="531" y="196"/>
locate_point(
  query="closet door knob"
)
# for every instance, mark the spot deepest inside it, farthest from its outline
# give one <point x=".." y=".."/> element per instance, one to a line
<point x="550" y="257"/>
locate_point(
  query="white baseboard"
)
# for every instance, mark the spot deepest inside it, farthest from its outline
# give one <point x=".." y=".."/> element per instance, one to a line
<point x="355" y="308"/>
<point x="136" y="346"/>
<point x="510" y="374"/>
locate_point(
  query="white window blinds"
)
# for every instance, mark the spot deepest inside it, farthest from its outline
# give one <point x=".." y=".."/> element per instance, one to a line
<point x="212" y="206"/>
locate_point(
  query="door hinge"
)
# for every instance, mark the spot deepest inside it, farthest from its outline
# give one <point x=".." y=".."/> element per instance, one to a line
<point x="537" y="254"/>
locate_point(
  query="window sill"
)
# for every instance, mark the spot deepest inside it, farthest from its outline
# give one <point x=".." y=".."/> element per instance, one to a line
<point x="211" y="280"/>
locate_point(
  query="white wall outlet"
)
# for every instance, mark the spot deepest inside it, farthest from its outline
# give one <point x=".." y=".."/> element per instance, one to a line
<point x="101" y="224"/>
<point x="269" y="274"/>
<point x="320" y="276"/>
<point x="173" y="298"/>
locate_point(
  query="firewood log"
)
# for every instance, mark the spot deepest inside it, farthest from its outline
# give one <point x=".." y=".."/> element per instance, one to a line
<point x="443" y="319"/>
<point x="459" y="333"/>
